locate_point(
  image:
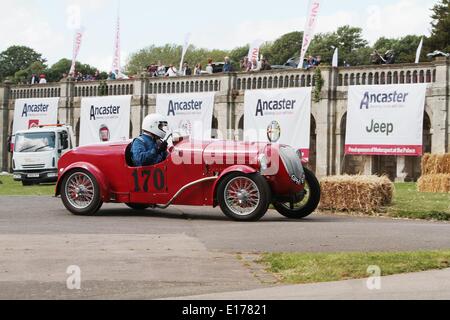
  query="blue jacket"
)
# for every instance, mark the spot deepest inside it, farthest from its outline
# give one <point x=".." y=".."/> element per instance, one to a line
<point x="144" y="152"/>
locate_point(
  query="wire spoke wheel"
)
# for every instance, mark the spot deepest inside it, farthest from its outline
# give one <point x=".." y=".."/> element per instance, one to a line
<point x="242" y="196"/>
<point x="80" y="190"/>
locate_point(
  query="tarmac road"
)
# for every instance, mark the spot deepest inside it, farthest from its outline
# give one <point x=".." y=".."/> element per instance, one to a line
<point x="181" y="251"/>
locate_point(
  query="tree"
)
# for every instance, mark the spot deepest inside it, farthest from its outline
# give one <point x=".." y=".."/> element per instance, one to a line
<point x="353" y="48"/>
<point x="17" y="58"/>
<point x="405" y="48"/>
<point x="23" y="76"/>
<point x="440" y="32"/>
<point x="57" y="70"/>
<point x="171" y="54"/>
<point x="284" y="48"/>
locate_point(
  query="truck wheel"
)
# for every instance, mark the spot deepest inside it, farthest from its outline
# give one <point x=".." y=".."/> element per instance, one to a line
<point x="138" y="206"/>
<point x="80" y="193"/>
<point x="308" y="204"/>
<point x="244" y="197"/>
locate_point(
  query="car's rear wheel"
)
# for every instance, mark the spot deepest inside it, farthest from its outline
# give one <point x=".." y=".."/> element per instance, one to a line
<point x="80" y="193"/>
<point x="138" y="206"/>
<point x="308" y="203"/>
<point x="244" y="197"/>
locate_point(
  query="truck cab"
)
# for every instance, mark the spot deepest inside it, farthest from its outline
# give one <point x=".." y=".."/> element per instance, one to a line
<point x="37" y="152"/>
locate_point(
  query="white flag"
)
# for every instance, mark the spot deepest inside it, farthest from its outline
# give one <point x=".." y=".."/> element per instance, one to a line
<point x="187" y="42"/>
<point x="336" y="58"/>
<point x="76" y="49"/>
<point x="419" y="51"/>
<point x="116" y="60"/>
<point x="310" y="27"/>
<point x="253" y="53"/>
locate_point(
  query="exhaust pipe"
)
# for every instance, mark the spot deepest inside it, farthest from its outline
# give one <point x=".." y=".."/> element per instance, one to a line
<point x="183" y="189"/>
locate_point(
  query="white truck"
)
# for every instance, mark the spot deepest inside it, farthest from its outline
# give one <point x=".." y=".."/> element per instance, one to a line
<point x="36" y="153"/>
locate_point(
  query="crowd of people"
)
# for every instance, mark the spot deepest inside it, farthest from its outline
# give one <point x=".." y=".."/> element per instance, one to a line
<point x="312" y="62"/>
<point x="161" y="70"/>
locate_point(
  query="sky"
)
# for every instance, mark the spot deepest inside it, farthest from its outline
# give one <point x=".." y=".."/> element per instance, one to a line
<point x="48" y="26"/>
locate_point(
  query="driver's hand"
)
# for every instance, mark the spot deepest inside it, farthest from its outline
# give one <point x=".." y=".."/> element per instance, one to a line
<point x="163" y="146"/>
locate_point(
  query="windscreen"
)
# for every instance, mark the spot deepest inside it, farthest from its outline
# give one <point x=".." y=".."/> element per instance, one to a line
<point x="35" y="142"/>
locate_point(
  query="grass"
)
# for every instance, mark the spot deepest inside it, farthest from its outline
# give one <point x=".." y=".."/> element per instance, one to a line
<point x="409" y="203"/>
<point x="301" y="268"/>
<point x="9" y="187"/>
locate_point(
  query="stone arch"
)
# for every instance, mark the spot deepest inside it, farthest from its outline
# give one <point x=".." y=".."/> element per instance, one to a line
<point x="215" y="128"/>
<point x="77" y="132"/>
<point x="241" y="128"/>
<point x="349" y="164"/>
<point x="313" y="145"/>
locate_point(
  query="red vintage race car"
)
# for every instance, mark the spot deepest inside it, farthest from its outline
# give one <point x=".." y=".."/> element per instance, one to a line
<point x="243" y="178"/>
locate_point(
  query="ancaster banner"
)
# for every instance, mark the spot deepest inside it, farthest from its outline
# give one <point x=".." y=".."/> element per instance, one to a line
<point x="29" y="113"/>
<point x="190" y="114"/>
<point x="385" y="120"/>
<point x="105" y="119"/>
<point x="279" y="116"/>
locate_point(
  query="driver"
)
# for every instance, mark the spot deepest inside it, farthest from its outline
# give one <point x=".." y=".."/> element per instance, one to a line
<point x="149" y="148"/>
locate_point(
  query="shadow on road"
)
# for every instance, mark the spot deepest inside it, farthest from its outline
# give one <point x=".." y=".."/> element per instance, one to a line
<point x="207" y="216"/>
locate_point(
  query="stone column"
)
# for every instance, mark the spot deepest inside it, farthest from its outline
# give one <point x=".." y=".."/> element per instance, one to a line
<point x="368" y="165"/>
<point x="402" y="171"/>
<point x="4" y="125"/>
<point x="440" y="102"/>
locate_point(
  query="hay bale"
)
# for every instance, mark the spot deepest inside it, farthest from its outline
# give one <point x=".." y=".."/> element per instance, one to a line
<point x="364" y="194"/>
<point x="436" y="164"/>
<point x="438" y="183"/>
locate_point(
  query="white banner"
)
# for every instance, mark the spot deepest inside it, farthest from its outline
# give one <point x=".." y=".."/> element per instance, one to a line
<point x="116" y="57"/>
<point x="279" y="116"/>
<point x="187" y="41"/>
<point x="419" y="51"/>
<point x="105" y="119"/>
<point x="253" y="53"/>
<point x="190" y="113"/>
<point x="29" y="113"/>
<point x="310" y="28"/>
<point x="385" y="120"/>
<point x="76" y="49"/>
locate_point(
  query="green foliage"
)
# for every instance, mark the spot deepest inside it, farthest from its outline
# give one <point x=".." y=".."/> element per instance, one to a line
<point x="353" y="49"/>
<point x="171" y="54"/>
<point x="296" y="268"/>
<point x="440" y="28"/>
<point x="284" y="48"/>
<point x="319" y="84"/>
<point x="17" y="58"/>
<point x="405" y="48"/>
<point x="57" y="70"/>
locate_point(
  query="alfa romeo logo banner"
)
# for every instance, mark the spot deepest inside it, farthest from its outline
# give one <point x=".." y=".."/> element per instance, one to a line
<point x="190" y="114"/>
<point x="105" y="119"/>
<point x="385" y="120"/>
<point x="29" y="113"/>
<point x="279" y="116"/>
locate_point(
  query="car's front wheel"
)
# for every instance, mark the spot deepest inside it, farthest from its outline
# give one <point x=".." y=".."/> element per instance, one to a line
<point x="244" y="197"/>
<point x="80" y="193"/>
<point x="308" y="203"/>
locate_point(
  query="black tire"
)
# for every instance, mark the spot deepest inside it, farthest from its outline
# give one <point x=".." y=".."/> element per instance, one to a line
<point x="27" y="183"/>
<point x="138" y="206"/>
<point x="311" y="203"/>
<point x="262" y="187"/>
<point x="94" y="205"/>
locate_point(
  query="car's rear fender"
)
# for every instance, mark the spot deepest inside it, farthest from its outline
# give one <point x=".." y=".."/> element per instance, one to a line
<point x="225" y="173"/>
<point x="98" y="175"/>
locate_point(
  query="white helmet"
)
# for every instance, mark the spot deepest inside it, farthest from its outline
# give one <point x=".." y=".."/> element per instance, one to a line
<point x="155" y="124"/>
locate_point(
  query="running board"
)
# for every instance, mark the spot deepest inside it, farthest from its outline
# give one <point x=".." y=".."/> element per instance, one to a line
<point x="183" y="189"/>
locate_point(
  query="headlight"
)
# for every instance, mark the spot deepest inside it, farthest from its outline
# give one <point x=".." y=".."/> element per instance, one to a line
<point x="263" y="162"/>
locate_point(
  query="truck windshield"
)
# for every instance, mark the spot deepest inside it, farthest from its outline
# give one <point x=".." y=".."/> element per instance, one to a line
<point x="35" y="142"/>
